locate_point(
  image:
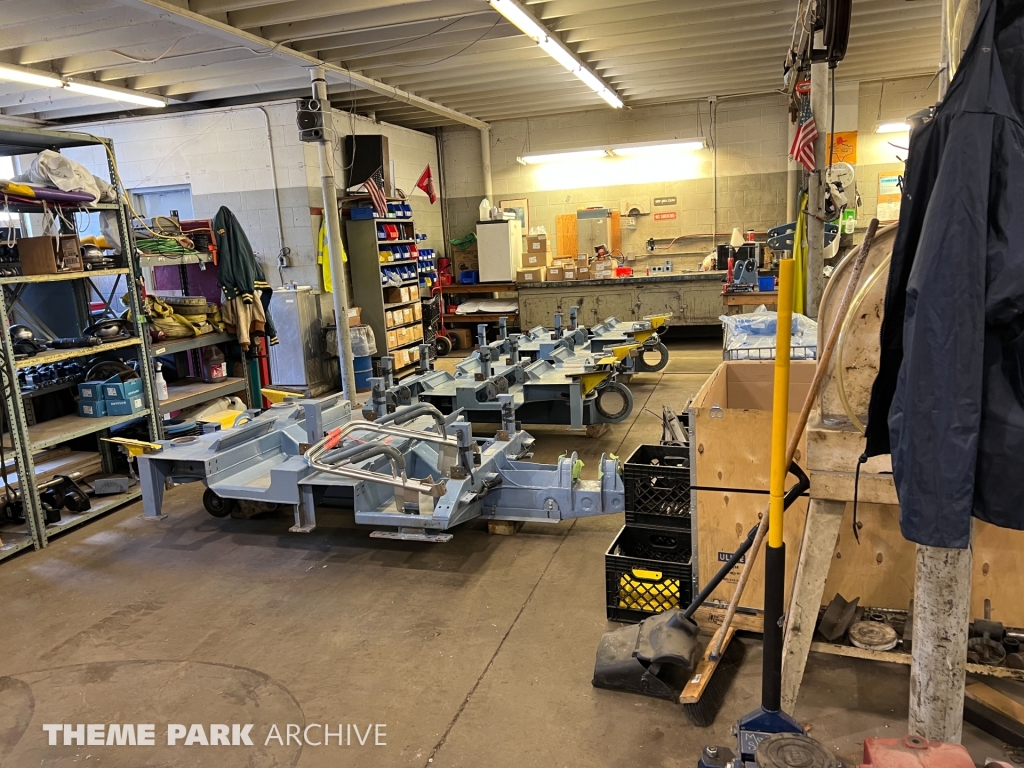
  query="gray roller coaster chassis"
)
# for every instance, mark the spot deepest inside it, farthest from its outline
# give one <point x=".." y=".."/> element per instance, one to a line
<point x="413" y="471"/>
<point x="568" y="375"/>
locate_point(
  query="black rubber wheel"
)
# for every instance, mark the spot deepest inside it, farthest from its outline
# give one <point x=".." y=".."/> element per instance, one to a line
<point x="643" y="358"/>
<point x="442" y="345"/>
<point x="455" y="342"/>
<point x="217" y="506"/>
<point x="614" y="402"/>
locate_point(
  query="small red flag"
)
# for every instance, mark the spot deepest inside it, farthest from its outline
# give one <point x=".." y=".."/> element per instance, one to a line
<point x="426" y="183"/>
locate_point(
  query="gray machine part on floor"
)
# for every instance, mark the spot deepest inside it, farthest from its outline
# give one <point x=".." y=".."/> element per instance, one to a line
<point x="567" y="383"/>
<point x="412" y="469"/>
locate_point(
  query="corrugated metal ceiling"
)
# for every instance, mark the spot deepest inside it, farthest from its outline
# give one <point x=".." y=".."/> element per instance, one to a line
<point x="457" y="53"/>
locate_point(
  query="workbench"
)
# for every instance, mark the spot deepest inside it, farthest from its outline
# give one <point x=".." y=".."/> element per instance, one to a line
<point x="736" y="303"/>
<point x="693" y="298"/>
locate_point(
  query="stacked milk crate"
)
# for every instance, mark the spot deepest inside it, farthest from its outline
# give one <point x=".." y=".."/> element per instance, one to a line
<point x="647" y="567"/>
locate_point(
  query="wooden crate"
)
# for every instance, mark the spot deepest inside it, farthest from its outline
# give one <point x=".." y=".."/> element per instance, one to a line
<point x="732" y="422"/>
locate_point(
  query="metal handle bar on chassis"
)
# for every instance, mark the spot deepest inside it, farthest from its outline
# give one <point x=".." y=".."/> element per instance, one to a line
<point x="396" y="479"/>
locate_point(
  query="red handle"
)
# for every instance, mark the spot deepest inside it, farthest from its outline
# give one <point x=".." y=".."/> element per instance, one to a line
<point x="333" y="438"/>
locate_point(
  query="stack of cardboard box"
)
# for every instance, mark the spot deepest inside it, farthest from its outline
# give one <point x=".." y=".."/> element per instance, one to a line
<point x="536" y="258"/>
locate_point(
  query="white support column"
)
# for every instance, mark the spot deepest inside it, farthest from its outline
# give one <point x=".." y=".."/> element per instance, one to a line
<point x="942" y="601"/>
<point x="485" y="156"/>
<point x="815" y="194"/>
<point x="339" y="281"/>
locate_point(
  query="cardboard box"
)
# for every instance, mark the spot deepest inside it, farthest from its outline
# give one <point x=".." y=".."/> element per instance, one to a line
<point x="417" y="311"/>
<point x="417" y="332"/>
<point x="555" y="274"/>
<point x="398" y="295"/>
<point x="392" y="339"/>
<point x="401" y="358"/>
<point x="414" y="355"/>
<point x="581" y="262"/>
<point x="404" y="336"/>
<point x="584" y="273"/>
<point x="389" y="318"/>
<point x="45" y="256"/>
<point x="355" y="316"/>
<point x="133" y="404"/>
<point x="569" y="273"/>
<point x="115" y="389"/>
<point x="604" y="274"/>
<point x="90" y="390"/>
<point x="414" y="293"/>
<point x="534" y="275"/>
<point x="407" y="316"/>
<point x="92" y="409"/>
<point x="537" y="244"/>
<point x="534" y="259"/>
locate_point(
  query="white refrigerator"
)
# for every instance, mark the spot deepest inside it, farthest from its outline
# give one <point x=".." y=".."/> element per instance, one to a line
<point x="499" y="250"/>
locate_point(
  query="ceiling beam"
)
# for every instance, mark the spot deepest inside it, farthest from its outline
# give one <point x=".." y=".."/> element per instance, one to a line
<point x="353" y="54"/>
<point x="224" y="31"/>
<point x="394" y="32"/>
<point x="307" y="10"/>
<point x="438" y="10"/>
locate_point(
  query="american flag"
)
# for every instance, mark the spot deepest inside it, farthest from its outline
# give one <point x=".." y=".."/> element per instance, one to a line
<point x="374" y="187"/>
<point x="802" y="150"/>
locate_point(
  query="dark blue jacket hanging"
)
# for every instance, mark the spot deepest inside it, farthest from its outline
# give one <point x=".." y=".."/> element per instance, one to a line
<point x="948" y="403"/>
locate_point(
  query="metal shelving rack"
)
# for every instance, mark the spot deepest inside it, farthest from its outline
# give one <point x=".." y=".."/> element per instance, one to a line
<point x="364" y="248"/>
<point x="188" y="392"/>
<point x="26" y="439"/>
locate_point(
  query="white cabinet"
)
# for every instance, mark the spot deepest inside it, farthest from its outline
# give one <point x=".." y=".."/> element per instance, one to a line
<point x="499" y="250"/>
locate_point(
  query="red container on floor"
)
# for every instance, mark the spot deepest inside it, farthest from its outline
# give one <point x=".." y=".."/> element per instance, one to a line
<point x="623" y="271"/>
<point x="914" y="752"/>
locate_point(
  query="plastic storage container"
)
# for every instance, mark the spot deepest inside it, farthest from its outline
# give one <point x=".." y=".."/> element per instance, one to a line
<point x="657" y="481"/>
<point x="215" y="366"/>
<point x="647" y="571"/>
<point x="362" y="368"/>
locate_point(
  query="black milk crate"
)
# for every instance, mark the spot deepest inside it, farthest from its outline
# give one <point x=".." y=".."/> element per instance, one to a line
<point x="647" y="571"/>
<point x="657" y="480"/>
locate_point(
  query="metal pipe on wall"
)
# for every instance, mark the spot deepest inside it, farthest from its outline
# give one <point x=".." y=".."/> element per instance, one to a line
<point x="816" y="194"/>
<point x="325" y="150"/>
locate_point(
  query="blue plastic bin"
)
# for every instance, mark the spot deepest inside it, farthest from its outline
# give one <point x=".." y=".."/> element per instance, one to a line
<point x="469" y="277"/>
<point x="766" y="283"/>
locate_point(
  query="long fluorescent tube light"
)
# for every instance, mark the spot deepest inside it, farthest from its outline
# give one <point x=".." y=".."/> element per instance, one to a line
<point x="623" y="150"/>
<point x="29" y="76"/>
<point x="555" y="48"/>
<point x="658" y="147"/>
<point x="558" y="157"/>
<point x="892" y="128"/>
<point x="115" y="94"/>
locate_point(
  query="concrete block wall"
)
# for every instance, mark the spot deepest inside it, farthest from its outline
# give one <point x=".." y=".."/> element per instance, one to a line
<point x="883" y="154"/>
<point x="247" y="158"/>
<point x="251" y="160"/>
<point x="752" y="146"/>
<point x="752" y="139"/>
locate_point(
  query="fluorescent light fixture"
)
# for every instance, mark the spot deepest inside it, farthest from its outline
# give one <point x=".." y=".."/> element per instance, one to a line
<point x="555" y="48"/>
<point x="647" y="148"/>
<point x="892" y="127"/>
<point x="15" y="74"/>
<point x="558" y="157"/>
<point x="658" y="147"/>
<point x="115" y="94"/>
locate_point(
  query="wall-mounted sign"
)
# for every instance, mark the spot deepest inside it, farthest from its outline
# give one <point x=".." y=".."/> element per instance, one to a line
<point x="665" y="201"/>
<point x="664" y="216"/>
<point x="844" y="147"/>
<point x="890" y="195"/>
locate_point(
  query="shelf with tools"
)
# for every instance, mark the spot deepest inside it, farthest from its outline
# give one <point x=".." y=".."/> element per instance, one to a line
<point x="59" y="276"/>
<point x="90" y="308"/>
<point x="176" y="273"/>
<point x="56" y="355"/>
<point x="188" y="392"/>
<point x="380" y="303"/>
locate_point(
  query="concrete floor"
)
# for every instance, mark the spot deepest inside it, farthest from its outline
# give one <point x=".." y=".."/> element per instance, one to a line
<point x="474" y="653"/>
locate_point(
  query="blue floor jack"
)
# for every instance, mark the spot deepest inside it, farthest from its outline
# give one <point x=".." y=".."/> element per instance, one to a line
<point x="769" y="737"/>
